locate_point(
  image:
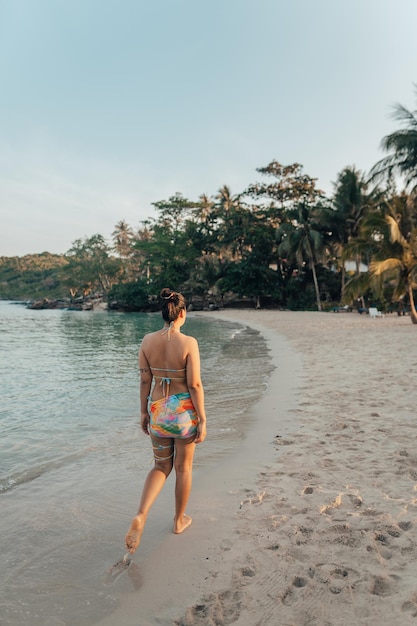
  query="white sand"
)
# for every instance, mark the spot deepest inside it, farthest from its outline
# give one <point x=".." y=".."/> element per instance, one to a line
<point x="313" y="521"/>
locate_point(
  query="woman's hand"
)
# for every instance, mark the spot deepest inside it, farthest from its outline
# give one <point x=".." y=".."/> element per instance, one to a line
<point x="144" y="422"/>
<point x="201" y="432"/>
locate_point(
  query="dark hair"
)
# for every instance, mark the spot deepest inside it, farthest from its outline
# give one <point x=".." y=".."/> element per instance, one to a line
<point x="171" y="304"/>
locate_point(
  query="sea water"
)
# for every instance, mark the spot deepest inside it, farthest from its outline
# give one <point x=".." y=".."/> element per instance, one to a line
<point x="72" y="455"/>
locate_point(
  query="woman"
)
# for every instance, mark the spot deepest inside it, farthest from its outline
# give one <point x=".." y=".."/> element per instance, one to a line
<point x="173" y="414"/>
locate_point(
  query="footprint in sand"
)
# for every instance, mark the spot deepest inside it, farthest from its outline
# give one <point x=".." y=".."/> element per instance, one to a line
<point x="393" y="531"/>
<point x="273" y="547"/>
<point x="337" y="578"/>
<point x="255" y="498"/>
<point x="411" y="605"/>
<point x="226" y="603"/>
<point x="299" y="582"/>
<point x="283" y="442"/>
<point x="116" y="570"/>
<point x="405" y="525"/>
<point x="288" y="596"/>
<point x="248" y="571"/>
<point x="381" y="538"/>
<point x="382" y="586"/>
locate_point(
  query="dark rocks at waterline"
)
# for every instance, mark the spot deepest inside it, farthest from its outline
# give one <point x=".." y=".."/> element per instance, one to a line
<point x="46" y="303"/>
<point x="79" y="304"/>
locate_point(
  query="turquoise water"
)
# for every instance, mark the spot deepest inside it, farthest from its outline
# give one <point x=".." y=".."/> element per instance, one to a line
<point x="69" y="384"/>
<point x="70" y="445"/>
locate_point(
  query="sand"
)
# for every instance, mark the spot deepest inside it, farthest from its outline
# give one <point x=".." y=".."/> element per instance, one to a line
<point x="314" y="520"/>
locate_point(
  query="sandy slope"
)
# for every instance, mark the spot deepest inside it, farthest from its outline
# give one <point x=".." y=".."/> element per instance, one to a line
<point x="329" y="534"/>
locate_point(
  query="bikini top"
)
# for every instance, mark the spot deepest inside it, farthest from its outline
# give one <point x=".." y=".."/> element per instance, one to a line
<point x="166" y="380"/>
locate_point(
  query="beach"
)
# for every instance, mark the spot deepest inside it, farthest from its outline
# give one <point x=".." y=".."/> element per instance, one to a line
<point x="313" y="520"/>
<point x="73" y="458"/>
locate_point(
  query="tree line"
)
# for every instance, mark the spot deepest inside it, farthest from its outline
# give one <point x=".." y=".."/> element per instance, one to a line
<point x="280" y="242"/>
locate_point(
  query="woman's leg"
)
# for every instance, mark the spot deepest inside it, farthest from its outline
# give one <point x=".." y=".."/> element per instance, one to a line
<point x="184" y="454"/>
<point x="163" y="449"/>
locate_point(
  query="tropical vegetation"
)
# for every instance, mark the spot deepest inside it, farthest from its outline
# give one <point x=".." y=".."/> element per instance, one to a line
<point x="281" y="242"/>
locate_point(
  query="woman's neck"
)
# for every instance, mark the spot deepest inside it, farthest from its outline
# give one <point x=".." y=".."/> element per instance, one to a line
<point x="169" y="329"/>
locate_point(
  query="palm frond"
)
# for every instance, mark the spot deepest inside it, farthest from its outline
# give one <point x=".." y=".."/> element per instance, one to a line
<point x="403" y="147"/>
<point x="357" y="286"/>
<point x="378" y="268"/>
<point x="395" y="232"/>
<point x="402" y="114"/>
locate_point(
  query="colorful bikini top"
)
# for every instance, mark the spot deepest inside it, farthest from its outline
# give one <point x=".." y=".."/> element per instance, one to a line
<point x="166" y="380"/>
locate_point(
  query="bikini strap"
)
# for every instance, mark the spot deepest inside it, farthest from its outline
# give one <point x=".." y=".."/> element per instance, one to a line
<point x="165" y="381"/>
<point x="169" y="330"/>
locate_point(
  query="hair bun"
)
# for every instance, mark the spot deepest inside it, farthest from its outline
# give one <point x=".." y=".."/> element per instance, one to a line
<point x="167" y="294"/>
<point x="171" y="303"/>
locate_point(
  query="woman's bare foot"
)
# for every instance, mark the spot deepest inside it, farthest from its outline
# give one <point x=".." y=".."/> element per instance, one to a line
<point x="181" y="524"/>
<point x="134" y="533"/>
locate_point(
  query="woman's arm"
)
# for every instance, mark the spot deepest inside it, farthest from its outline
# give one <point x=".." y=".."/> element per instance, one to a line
<point x="196" y="390"/>
<point x="145" y="388"/>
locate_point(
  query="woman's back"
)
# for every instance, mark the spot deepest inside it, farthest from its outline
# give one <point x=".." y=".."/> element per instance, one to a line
<point x="166" y="353"/>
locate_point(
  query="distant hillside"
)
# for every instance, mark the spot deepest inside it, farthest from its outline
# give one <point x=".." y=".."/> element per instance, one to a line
<point x="32" y="276"/>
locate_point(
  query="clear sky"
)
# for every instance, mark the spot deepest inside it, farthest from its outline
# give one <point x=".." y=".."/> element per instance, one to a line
<point x="109" y="105"/>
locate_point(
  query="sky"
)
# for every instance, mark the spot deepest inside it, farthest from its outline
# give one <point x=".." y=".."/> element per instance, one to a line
<point x="107" y="106"/>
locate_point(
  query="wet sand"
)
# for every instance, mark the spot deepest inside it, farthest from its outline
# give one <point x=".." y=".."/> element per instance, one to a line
<point x="313" y="520"/>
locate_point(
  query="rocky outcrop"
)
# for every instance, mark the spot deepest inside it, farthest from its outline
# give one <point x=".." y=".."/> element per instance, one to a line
<point x="89" y="303"/>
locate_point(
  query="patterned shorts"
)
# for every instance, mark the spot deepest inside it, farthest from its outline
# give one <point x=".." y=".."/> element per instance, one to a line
<point x="173" y="416"/>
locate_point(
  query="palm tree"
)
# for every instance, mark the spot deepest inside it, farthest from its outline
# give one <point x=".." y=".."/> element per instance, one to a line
<point x="231" y="217"/>
<point x="402" y="145"/>
<point x="302" y="237"/>
<point x="391" y="241"/>
<point x="205" y="216"/>
<point x="204" y="210"/>
<point x="400" y="267"/>
<point x="226" y="200"/>
<point x="123" y="238"/>
<point x="350" y="202"/>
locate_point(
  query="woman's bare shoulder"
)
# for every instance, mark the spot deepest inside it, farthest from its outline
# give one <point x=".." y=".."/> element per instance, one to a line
<point x="189" y="337"/>
<point x="191" y="341"/>
<point x="148" y="338"/>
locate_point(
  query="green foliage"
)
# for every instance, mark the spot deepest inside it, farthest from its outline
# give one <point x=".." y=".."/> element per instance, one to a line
<point x="90" y="267"/>
<point x="247" y="278"/>
<point x="401" y="146"/>
<point x="129" y="297"/>
<point x="290" y="185"/>
<point x="32" y="276"/>
<point x="279" y="241"/>
<point x="298" y="298"/>
<point x="390" y="239"/>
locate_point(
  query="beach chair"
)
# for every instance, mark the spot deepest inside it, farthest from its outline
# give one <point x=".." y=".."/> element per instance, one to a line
<point x="374" y="313"/>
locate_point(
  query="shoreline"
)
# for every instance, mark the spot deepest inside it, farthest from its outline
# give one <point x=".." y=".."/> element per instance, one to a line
<point x="313" y="522"/>
<point x="204" y="553"/>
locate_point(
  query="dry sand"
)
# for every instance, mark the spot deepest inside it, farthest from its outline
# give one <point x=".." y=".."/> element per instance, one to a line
<point x="314" y="521"/>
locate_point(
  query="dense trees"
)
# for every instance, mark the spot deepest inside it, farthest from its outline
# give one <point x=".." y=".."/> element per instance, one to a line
<point x="387" y="236"/>
<point x="279" y="242"/>
<point x="31" y="276"/>
<point x="90" y="267"/>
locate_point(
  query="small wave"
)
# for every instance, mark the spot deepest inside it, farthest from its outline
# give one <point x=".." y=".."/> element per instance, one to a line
<point x="32" y="473"/>
<point x="237" y="331"/>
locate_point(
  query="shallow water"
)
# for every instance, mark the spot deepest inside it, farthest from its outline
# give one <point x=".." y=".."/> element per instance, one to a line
<point x="72" y="457"/>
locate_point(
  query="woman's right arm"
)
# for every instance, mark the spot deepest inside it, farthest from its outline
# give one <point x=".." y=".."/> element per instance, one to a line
<point x="196" y="390"/>
<point x="145" y="388"/>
